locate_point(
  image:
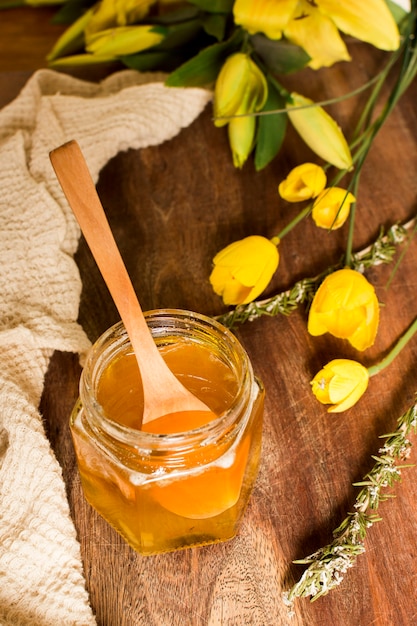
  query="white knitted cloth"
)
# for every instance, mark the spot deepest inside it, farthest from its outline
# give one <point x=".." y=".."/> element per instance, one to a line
<point x="41" y="576"/>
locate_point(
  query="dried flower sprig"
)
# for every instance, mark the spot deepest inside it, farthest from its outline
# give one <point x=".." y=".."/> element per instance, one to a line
<point x="327" y="565"/>
<point x="382" y="250"/>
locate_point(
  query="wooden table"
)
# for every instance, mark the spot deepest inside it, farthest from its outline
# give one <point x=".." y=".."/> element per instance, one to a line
<point x="171" y="208"/>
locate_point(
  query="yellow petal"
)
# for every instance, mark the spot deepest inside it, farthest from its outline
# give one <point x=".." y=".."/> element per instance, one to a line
<point x="331" y="208"/>
<point x="263" y="16"/>
<point x="367" y="20"/>
<point x="340" y="383"/>
<point x="319" y="131"/>
<point x="81" y="60"/>
<point x="243" y="269"/>
<point x="302" y="183"/>
<point x="364" y="336"/>
<point x="226" y="286"/>
<point x="241" y="132"/>
<point x="326" y="47"/>
<point x="124" y="40"/>
<point x="240" y="88"/>
<point x="346" y="306"/>
<point x="348" y="385"/>
<point x="112" y="13"/>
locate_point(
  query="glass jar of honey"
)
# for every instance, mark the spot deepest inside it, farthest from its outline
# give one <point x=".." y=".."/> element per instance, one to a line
<point x="169" y="485"/>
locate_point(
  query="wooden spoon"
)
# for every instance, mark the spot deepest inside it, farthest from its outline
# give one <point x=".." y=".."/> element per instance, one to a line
<point x="163" y="392"/>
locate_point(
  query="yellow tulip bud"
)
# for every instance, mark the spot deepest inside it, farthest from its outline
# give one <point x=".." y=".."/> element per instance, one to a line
<point x="240" y="88"/>
<point x="340" y="383"/>
<point x="243" y="269"/>
<point x="319" y="131"/>
<point x="263" y="16"/>
<point x="117" y="42"/>
<point x="345" y="305"/>
<point x="331" y="208"/>
<point x="302" y="183"/>
<point x="241" y="132"/>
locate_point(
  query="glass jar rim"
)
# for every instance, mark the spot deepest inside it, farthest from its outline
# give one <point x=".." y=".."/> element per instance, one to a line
<point x="202" y="435"/>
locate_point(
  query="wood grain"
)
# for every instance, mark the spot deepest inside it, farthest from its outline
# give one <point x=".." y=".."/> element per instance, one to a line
<point x="171" y="207"/>
<point x="27" y="35"/>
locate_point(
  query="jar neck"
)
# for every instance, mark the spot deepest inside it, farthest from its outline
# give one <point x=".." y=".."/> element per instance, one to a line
<point x="169" y="324"/>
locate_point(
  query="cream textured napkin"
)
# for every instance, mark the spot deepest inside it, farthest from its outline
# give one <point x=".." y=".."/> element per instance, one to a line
<point x="41" y="576"/>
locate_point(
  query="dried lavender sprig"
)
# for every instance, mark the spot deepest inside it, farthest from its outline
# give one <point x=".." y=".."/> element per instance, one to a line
<point x="382" y="250"/>
<point x="328" y="564"/>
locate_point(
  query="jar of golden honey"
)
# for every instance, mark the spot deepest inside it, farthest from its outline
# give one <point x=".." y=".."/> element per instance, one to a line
<point x="174" y="483"/>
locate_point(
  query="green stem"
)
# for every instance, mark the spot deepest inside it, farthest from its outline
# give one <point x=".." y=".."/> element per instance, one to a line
<point x="349" y="242"/>
<point x="401" y="343"/>
<point x="297" y="219"/>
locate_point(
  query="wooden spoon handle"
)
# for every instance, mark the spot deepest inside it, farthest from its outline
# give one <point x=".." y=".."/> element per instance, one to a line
<point x="163" y="393"/>
<point x="74" y="176"/>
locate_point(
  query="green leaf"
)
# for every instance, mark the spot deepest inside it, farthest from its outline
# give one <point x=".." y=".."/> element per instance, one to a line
<point x="271" y="129"/>
<point x="202" y="70"/>
<point x="281" y="57"/>
<point x="162" y="61"/>
<point x="215" y="25"/>
<point x="214" y="6"/>
<point x="177" y="35"/>
<point x="398" y="12"/>
<point x="72" y="39"/>
<point x="176" y="16"/>
<point x="71" y="10"/>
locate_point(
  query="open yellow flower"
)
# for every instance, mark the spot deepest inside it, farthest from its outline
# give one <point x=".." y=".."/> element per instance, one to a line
<point x="369" y="21"/>
<point x="303" y="182"/>
<point x="243" y="269"/>
<point x="340" y="383"/>
<point x="345" y="305"/>
<point x="331" y="208"/>
<point x="319" y="131"/>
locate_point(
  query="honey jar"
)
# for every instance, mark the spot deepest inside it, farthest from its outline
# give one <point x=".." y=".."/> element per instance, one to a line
<point x="169" y="485"/>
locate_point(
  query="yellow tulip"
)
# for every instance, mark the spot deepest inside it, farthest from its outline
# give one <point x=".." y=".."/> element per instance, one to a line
<point x="241" y="131"/>
<point x="124" y="40"/>
<point x="331" y="208"/>
<point x="240" y="88"/>
<point x="340" y="383"/>
<point x="346" y="306"/>
<point x="319" y="131"/>
<point x="243" y="269"/>
<point x="302" y="183"/>
<point x="264" y="16"/>
<point x="369" y="21"/>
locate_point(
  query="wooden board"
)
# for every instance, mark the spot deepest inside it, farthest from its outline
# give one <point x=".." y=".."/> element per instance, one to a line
<point x="172" y="207"/>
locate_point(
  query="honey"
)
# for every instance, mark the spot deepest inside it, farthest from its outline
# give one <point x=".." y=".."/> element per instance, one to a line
<point x="184" y="479"/>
